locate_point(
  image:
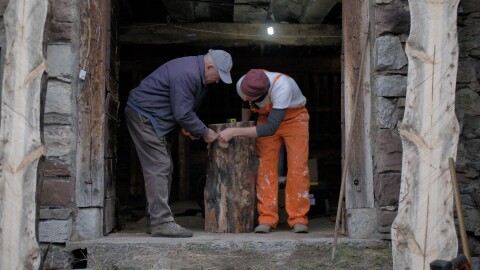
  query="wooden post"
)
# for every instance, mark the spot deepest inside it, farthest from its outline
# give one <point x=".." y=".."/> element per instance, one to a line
<point x="230" y="187"/>
<point x="21" y="140"/>
<point x="424" y="229"/>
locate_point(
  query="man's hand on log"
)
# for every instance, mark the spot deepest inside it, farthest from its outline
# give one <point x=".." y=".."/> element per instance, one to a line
<point x="210" y="136"/>
<point x="226" y="134"/>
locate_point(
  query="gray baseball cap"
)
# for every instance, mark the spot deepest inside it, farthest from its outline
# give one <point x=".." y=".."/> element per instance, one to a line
<point x="223" y="62"/>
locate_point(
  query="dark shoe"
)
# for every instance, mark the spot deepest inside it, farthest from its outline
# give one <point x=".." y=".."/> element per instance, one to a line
<point x="149" y="225"/>
<point x="170" y="229"/>
<point x="300" y="228"/>
<point x="263" y="228"/>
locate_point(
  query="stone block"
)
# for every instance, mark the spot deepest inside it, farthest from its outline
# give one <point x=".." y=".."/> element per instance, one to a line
<point x="58" y="141"/>
<point x="55" y="213"/>
<point x="59" y="97"/>
<point x="60" y="59"/>
<point x="55" y="168"/>
<point x="62" y="10"/>
<point x="362" y="223"/>
<point x="56" y="258"/>
<point x="385" y="218"/>
<point x="473" y="147"/>
<point x="466" y="71"/>
<point x="60" y="31"/>
<point x="88" y="224"/>
<point x="392" y="18"/>
<point x="469" y="6"/>
<point x="390" y="54"/>
<point x="472" y="219"/>
<point x="391" y="86"/>
<point x="385" y="109"/>
<point x="474" y="165"/>
<point x="468" y="101"/>
<point x="388" y="156"/>
<point x="397" y="117"/>
<point x="247" y="13"/>
<point x="56" y="193"/>
<point x="55" y="231"/>
<point x="384" y="229"/>
<point x="387" y="188"/>
<point x="475" y="53"/>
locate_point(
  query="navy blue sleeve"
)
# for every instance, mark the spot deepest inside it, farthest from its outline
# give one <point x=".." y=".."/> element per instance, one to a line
<point x="182" y="95"/>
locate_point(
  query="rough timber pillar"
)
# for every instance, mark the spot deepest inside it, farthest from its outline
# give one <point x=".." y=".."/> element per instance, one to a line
<point x="424" y="228"/>
<point x="21" y="143"/>
<point x="230" y="187"/>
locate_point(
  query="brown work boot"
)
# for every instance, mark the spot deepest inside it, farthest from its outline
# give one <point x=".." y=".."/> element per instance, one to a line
<point x="170" y="229"/>
<point x="263" y="228"/>
<point x="300" y="228"/>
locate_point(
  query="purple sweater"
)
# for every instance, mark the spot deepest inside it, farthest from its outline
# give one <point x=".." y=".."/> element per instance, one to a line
<point x="171" y="94"/>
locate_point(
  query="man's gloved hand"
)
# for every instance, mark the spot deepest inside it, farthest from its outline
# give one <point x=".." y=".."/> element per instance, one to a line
<point x="186" y="133"/>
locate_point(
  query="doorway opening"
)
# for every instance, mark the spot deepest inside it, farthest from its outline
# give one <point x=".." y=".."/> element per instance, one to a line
<point x="316" y="70"/>
<point x="305" y="53"/>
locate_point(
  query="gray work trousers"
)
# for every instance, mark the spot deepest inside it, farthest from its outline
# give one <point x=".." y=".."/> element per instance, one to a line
<point x="157" y="166"/>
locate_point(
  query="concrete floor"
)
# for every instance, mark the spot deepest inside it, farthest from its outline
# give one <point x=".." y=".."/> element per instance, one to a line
<point x="133" y="248"/>
<point x="188" y="214"/>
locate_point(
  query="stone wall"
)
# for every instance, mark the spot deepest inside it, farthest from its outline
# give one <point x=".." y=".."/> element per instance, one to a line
<point x="392" y="26"/>
<point x="57" y="193"/>
<point x="468" y="113"/>
<point x="389" y="84"/>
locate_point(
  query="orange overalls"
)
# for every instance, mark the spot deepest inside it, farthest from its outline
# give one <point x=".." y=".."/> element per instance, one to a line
<point x="294" y="132"/>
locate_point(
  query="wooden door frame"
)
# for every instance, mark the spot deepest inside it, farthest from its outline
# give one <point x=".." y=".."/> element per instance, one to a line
<point x="91" y="119"/>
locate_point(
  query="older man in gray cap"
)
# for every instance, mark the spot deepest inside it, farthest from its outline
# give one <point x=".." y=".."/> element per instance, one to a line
<point x="164" y="101"/>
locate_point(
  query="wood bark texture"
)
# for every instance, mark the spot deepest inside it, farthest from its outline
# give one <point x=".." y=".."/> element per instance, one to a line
<point x="91" y="104"/>
<point x="21" y="145"/>
<point x="230" y="188"/>
<point x="424" y="228"/>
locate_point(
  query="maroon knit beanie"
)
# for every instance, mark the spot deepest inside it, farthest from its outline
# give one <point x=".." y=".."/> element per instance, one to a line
<point x="255" y="83"/>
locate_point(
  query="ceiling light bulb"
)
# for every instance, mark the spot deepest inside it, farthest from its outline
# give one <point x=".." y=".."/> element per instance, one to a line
<point x="270" y="30"/>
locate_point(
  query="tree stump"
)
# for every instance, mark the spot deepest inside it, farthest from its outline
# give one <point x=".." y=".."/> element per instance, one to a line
<point x="230" y="188"/>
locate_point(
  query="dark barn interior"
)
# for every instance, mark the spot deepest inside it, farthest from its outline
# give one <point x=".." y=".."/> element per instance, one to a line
<point x="147" y="41"/>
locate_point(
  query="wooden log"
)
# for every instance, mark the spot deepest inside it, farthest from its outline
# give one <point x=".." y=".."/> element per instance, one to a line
<point x="21" y="141"/>
<point x="230" y="188"/>
<point x="424" y="229"/>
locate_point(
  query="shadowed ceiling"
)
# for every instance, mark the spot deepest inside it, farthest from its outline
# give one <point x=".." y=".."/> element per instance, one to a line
<point x="231" y="23"/>
<point x="231" y="11"/>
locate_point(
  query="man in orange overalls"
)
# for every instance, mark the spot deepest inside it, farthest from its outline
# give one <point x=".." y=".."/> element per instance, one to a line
<point x="282" y="118"/>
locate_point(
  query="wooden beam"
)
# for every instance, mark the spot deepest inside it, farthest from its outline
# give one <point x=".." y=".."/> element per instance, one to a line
<point x="232" y="34"/>
<point x="21" y="140"/>
<point x="424" y="229"/>
<point x="359" y="191"/>
<point x="91" y="105"/>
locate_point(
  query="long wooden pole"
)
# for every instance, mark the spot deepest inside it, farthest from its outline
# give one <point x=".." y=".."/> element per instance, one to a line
<point x="458" y="205"/>
<point x="348" y="146"/>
